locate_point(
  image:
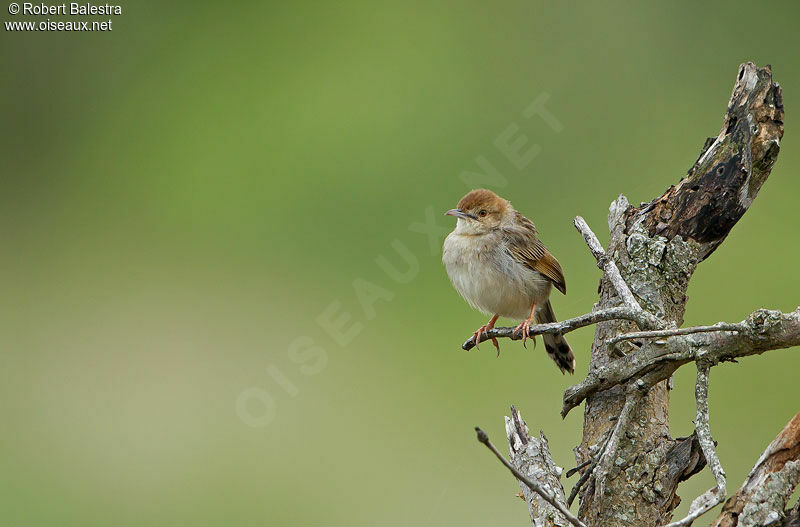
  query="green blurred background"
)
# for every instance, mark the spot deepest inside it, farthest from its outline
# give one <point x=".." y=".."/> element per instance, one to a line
<point x="183" y="196"/>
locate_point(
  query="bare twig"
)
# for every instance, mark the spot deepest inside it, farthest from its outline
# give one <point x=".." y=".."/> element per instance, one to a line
<point x="583" y="479"/>
<point x="716" y="495"/>
<point x="701" y="505"/>
<point x="719" y="326"/>
<point x="642" y="319"/>
<point x="571" y="472"/>
<point x="609" y="268"/>
<point x="598" y="455"/>
<point x="535" y="487"/>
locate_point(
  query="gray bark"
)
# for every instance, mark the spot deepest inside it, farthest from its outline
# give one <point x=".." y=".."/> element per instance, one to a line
<point x="531" y="456"/>
<point x="762" y="498"/>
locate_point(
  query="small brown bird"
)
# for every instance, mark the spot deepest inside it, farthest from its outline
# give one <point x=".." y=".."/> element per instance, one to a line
<point x="498" y="265"/>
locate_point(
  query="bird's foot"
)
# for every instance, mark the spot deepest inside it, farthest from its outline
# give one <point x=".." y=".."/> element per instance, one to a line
<point x="485" y="329"/>
<point x="524" y="326"/>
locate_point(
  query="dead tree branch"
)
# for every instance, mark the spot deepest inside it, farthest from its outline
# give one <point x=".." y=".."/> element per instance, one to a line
<point x="531" y="455"/>
<point x="763" y="496"/>
<point x="762" y="331"/>
<point x="633" y="467"/>
<point x="656" y="248"/>
<point x="547" y="495"/>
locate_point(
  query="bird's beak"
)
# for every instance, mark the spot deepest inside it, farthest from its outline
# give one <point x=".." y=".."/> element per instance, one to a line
<point x="458" y="213"/>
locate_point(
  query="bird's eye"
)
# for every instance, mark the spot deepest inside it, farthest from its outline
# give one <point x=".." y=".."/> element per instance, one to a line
<point x="482" y="213"/>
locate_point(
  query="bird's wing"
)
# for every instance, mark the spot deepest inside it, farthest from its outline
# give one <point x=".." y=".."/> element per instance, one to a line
<point x="525" y="247"/>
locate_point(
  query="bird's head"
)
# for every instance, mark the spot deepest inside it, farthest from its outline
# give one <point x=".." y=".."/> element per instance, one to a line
<point x="479" y="212"/>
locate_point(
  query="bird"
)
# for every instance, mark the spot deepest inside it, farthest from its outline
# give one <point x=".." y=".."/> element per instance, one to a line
<point x="497" y="263"/>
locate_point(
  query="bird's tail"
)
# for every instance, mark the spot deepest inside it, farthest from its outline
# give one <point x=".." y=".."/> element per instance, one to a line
<point x="556" y="345"/>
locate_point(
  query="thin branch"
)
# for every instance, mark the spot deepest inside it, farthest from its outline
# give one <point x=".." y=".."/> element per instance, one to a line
<point x="608" y="266"/>
<point x="719" y="326"/>
<point x="583" y="479"/>
<point x="716" y="495"/>
<point x="571" y="472"/>
<point x="642" y="319"/>
<point x="588" y="472"/>
<point x="545" y="494"/>
<point x="762" y="331"/>
<point x="703" y="427"/>
<point x="701" y="505"/>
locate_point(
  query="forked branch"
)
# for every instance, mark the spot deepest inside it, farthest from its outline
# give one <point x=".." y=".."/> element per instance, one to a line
<point x="762" y="331"/>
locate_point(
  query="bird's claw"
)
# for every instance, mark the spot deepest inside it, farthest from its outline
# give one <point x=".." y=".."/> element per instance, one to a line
<point x="524" y="327"/>
<point x="485" y="329"/>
